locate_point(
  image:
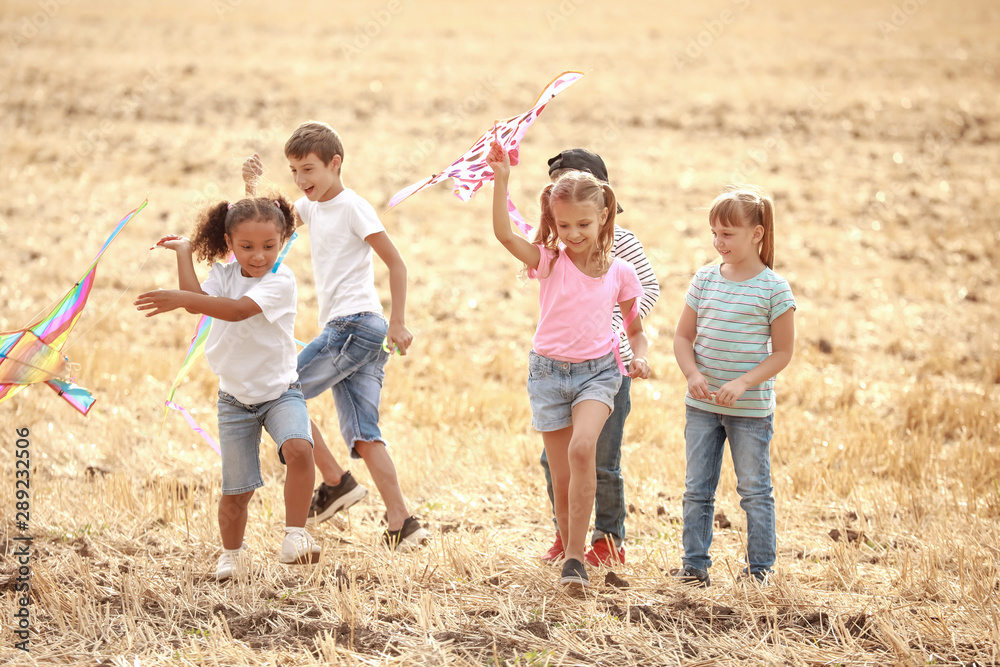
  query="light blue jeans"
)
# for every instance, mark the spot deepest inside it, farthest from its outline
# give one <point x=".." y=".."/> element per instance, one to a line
<point x="609" y="504"/>
<point x="705" y="434"/>
<point x="347" y="358"/>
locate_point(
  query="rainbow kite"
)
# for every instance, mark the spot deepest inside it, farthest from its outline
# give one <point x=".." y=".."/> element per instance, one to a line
<point x="470" y="171"/>
<point x="34" y="354"/>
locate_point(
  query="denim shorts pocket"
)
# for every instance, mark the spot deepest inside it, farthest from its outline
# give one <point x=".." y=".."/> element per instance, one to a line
<point x="537" y="369"/>
<point x="360" y="350"/>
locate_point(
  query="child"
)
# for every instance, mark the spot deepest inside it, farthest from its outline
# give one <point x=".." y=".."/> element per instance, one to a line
<point x="735" y="334"/>
<point x="252" y="350"/>
<point x="573" y="372"/>
<point x="609" y="502"/>
<point x="348" y="356"/>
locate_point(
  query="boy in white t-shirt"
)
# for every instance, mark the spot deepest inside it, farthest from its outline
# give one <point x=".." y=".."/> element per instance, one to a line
<point x="349" y="355"/>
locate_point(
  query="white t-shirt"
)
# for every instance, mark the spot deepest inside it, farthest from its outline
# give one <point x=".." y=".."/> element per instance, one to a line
<point x="342" y="259"/>
<point x="254" y="358"/>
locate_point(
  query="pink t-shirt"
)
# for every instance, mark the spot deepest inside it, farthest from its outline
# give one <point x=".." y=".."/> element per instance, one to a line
<point x="575" y="320"/>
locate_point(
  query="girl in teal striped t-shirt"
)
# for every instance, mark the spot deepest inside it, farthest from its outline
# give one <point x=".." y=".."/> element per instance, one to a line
<point x="735" y="334"/>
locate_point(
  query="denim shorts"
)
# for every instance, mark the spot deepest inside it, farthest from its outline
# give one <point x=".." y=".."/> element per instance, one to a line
<point x="555" y="387"/>
<point x="284" y="418"/>
<point x="347" y="358"/>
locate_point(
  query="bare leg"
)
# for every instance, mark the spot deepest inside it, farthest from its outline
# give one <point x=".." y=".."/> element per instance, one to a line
<point x="233" y="519"/>
<point x="329" y="469"/>
<point x="588" y="420"/>
<point x="300" y="476"/>
<point x="556" y="451"/>
<point x="383" y="472"/>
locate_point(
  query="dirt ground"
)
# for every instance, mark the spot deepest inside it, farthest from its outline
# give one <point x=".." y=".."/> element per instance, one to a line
<point x="874" y="126"/>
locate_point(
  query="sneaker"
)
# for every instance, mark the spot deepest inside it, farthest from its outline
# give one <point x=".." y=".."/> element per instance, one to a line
<point x="574" y="574"/>
<point x="603" y="554"/>
<point x="761" y="577"/>
<point x="555" y="552"/>
<point x="407" y="538"/>
<point x="298" y="547"/>
<point x="328" y="500"/>
<point x="692" y="576"/>
<point x="231" y="562"/>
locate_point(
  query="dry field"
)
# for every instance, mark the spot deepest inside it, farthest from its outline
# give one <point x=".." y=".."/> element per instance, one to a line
<point x="874" y="124"/>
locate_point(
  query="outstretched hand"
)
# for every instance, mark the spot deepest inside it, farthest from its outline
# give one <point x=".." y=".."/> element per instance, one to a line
<point x="173" y="242"/>
<point x="499" y="161"/>
<point x="160" y="301"/>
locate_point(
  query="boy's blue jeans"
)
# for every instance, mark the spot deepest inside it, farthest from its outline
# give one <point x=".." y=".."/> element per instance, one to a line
<point x="705" y="434"/>
<point x="609" y="503"/>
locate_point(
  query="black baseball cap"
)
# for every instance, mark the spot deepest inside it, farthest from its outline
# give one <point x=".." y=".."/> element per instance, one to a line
<point x="581" y="159"/>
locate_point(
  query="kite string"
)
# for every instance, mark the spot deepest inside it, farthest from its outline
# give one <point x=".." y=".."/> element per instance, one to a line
<point x="113" y="303"/>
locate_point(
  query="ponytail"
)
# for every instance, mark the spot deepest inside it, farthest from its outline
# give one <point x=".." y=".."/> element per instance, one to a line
<point x="209" y="241"/>
<point x="766" y="210"/>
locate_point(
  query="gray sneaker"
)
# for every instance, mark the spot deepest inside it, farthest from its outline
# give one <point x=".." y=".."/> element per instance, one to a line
<point x="328" y="500"/>
<point x="574" y="573"/>
<point x="407" y="538"/>
<point x="692" y="576"/>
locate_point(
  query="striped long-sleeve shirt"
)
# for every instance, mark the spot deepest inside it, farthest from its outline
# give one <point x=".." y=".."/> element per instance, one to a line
<point x="628" y="248"/>
<point x="734" y="333"/>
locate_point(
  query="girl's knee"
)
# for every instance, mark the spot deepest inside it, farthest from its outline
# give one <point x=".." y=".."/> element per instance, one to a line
<point x="238" y="499"/>
<point x="297" y="452"/>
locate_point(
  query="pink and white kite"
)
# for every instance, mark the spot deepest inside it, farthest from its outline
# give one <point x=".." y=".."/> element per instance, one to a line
<point x="470" y="171"/>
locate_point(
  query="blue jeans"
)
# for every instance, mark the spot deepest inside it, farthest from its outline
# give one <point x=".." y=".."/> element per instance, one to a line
<point x="609" y="504"/>
<point x="240" y="425"/>
<point x="705" y="435"/>
<point x="347" y="358"/>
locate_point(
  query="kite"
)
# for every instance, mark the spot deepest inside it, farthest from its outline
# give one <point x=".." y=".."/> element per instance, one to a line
<point x="196" y="349"/>
<point x="470" y="171"/>
<point x="34" y="354"/>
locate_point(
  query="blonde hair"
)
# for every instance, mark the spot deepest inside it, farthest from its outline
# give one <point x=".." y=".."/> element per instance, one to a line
<point x="747" y="205"/>
<point x="314" y="137"/>
<point x="578" y="187"/>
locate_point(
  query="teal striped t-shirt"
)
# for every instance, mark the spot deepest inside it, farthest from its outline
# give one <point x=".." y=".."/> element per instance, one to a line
<point x="734" y="333"/>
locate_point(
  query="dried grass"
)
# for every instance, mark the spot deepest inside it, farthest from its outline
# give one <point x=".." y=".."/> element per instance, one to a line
<point x="887" y="446"/>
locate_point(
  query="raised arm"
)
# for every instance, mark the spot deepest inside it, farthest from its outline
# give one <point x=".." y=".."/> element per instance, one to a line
<point x="187" y="279"/>
<point x="517" y="245"/>
<point x="253" y="169"/>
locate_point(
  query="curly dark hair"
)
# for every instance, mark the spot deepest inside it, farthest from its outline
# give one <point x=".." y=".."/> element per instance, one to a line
<point x="209" y="242"/>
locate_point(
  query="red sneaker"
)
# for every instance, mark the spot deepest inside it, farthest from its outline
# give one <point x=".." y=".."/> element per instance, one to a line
<point x="555" y="552"/>
<point x="603" y="553"/>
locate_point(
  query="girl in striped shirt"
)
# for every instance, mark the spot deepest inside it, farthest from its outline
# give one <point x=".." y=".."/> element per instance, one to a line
<point x="735" y="334"/>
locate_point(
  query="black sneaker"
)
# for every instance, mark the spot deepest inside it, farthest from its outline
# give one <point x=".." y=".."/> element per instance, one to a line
<point x="692" y="576"/>
<point x="761" y="577"/>
<point x="407" y="538"/>
<point x="328" y="500"/>
<point x="574" y="573"/>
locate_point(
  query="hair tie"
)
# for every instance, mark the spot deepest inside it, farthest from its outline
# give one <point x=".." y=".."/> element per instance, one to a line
<point x="277" y="204"/>
<point x="229" y="206"/>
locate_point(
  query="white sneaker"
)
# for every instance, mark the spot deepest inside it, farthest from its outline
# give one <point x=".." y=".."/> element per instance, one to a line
<point x="231" y="562"/>
<point x="299" y="547"/>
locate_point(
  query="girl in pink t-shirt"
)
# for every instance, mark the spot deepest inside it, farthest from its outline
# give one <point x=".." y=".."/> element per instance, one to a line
<point x="573" y="370"/>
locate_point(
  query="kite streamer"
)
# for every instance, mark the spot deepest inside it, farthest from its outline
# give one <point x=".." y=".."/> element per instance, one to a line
<point x="470" y="172"/>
